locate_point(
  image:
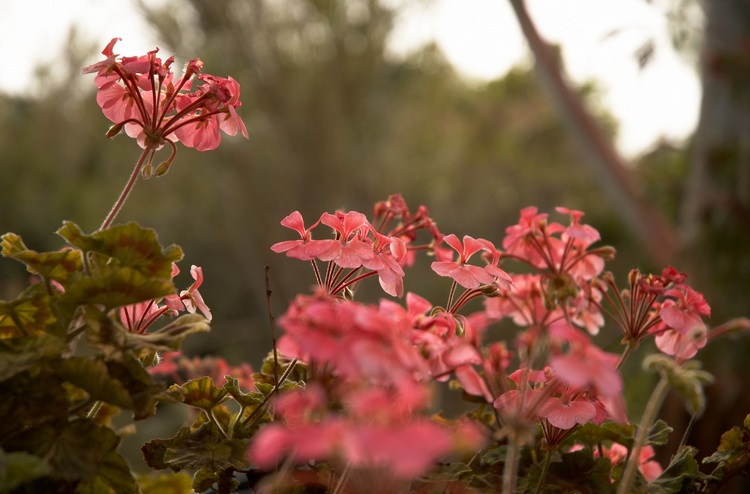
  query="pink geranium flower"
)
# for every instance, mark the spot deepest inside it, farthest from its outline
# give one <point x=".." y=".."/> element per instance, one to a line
<point x="466" y="275"/>
<point x="684" y="311"/>
<point x="141" y="95"/>
<point x="351" y="249"/>
<point x="305" y="248"/>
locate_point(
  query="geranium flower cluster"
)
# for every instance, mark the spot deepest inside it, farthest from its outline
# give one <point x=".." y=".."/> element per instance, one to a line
<point x="367" y="387"/>
<point x="370" y="366"/>
<point x="142" y="95"/>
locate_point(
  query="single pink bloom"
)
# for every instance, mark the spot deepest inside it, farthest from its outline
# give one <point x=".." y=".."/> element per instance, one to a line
<point x="350" y="250"/>
<point x="682" y="344"/>
<point x="650" y="469"/>
<point x="683" y="312"/>
<point x="107" y="62"/>
<point x="466" y="275"/>
<point x="472" y="382"/>
<point x="565" y="413"/>
<point x="584" y="233"/>
<point x="305" y="249"/>
<point x="518" y="238"/>
<point x="192" y="298"/>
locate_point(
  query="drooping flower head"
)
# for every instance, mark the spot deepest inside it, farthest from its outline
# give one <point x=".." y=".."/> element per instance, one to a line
<point x="141" y="95"/>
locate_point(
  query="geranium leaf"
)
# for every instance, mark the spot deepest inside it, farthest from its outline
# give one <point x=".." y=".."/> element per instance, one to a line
<point x="175" y="483"/>
<point x="592" y="434"/>
<point x="115" y="286"/>
<point x="116" y="342"/>
<point x="131" y="244"/>
<point x="19" y="468"/>
<point x="681" y="473"/>
<point x="93" y="377"/>
<point x="81" y="453"/>
<point x="658" y="434"/>
<point x="58" y="266"/>
<point x="170" y="337"/>
<point x="200" y="393"/>
<point x="28" y="314"/>
<point x="20" y="354"/>
<point x="193" y="449"/>
<point x="143" y="392"/>
<point x="244" y="399"/>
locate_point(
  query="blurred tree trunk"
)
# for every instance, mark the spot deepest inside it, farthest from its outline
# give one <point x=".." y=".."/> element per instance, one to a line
<point x="647" y="223"/>
<point x="715" y="217"/>
<point x="716" y="213"/>
<point x="714" y="230"/>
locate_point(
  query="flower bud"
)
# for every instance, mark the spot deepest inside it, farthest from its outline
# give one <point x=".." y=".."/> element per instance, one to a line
<point x="147" y="171"/>
<point x="114" y="130"/>
<point x="162" y="168"/>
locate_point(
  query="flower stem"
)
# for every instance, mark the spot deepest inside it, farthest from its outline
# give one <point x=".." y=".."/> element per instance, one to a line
<point x="649" y="415"/>
<point x="126" y="191"/>
<point x="545" y="469"/>
<point x="510" y="469"/>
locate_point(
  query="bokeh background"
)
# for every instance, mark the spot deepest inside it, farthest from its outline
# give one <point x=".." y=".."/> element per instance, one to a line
<point x="338" y="120"/>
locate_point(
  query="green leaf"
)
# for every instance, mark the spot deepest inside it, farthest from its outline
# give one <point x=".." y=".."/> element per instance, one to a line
<point x="658" y="434"/>
<point x="200" y="393"/>
<point x="204" y="479"/>
<point x="20" y="354"/>
<point x="113" y="285"/>
<point x="732" y="457"/>
<point x="93" y="377"/>
<point x="580" y="471"/>
<point x="31" y="400"/>
<point x="170" y="337"/>
<point x="29" y="313"/>
<point x="116" y="342"/>
<point x="232" y="387"/>
<point x="193" y="449"/>
<point x="172" y="483"/>
<point x="19" y="468"/>
<point x="682" y="472"/>
<point x="592" y="434"/>
<point x="686" y="379"/>
<point x="85" y="452"/>
<point x="131" y="244"/>
<point x="144" y="393"/>
<point x="58" y="266"/>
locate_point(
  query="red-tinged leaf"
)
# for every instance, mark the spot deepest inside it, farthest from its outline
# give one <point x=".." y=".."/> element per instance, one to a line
<point x="28" y="314"/>
<point x="200" y="393"/>
<point x="131" y="245"/>
<point x="115" y="286"/>
<point x="194" y="449"/>
<point x="58" y="266"/>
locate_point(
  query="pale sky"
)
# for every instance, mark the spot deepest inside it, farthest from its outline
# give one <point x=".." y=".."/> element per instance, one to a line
<point x="480" y="37"/>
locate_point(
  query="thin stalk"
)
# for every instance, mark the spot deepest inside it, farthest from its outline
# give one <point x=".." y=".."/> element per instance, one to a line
<point x="94" y="409"/>
<point x="649" y="415"/>
<point x="510" y="469"/>
<point x="126" y="191"/>
<point x="545" y="468"/>
<point x="343" y="479"/>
